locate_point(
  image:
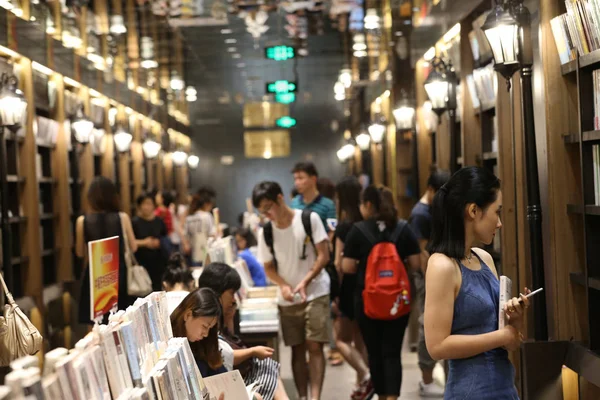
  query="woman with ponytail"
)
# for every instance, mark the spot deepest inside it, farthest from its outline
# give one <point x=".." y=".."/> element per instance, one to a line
<point x="383" y="338"/>
<point x="461" y="305"/>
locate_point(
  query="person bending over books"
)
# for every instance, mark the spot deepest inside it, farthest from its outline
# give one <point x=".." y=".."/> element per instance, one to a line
<point x="461" y="305"/>
<point x="177" y="281"/>
<point x="255" y="363"/>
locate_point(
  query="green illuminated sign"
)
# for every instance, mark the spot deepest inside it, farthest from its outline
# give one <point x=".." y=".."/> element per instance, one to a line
<point x="285" y="98"/>
<point x="281" y="87"/>
<point x="280" y="53"/>
<point x="286" y="122"/>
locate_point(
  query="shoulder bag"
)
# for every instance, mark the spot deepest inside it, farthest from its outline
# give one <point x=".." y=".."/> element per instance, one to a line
<point x="18" y="336"/>
<point x="139" y="283"/>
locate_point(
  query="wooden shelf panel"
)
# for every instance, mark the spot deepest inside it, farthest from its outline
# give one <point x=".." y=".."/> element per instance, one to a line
<point x="571" y="138"/>
<point x="590" y="60"/>
<point x="591" y="136"/>
<point x="569" y="67"/>
<point x="46" y="179"/>
<point x="589" y="209"/>
<point x="46" y="216"/>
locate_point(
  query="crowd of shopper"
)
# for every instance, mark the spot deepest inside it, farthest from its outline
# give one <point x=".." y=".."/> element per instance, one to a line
<point x="342" y="261"/>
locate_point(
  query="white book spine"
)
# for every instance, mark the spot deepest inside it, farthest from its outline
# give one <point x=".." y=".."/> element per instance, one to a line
<point x="505" y="295"/>
<point x="131" y="351"/>
<point x="115" y="378"/>
<point x="122" y="358"/>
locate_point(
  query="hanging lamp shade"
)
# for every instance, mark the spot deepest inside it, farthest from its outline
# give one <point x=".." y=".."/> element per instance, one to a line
<point x="122" y="140"/>
<point x="501" y="30"/>
<point x="151" y="148"/>
<point x="179" y="158"/>
<point x="82" y="127"/>
<point x="404" y="115"/>
<point x="377" y="131"/>
<point x="363" y="141"/>
<point x="436" y="86"/>
<point x="13" y="105"/>
<point x="193" y="161"/>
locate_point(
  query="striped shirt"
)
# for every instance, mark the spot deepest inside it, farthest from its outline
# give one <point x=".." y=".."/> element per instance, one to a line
<point x="323" y="206"/>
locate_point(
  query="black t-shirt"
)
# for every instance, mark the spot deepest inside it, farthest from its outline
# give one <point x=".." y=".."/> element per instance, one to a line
<point x="420" y="220"/>
<point x="358" y="247"/>
<point x="342" y="230"/>
<point x="154" y="260"/>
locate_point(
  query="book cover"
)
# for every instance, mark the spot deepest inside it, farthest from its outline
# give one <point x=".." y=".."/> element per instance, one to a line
<point x="131" y="352"/>
<point x="109" y="351"/>
<point x="505" y="295"/>
<point x="104" y="276"/>
<point x="230" y="383"/>
<point x="122" y="357"/>
<point x="99" y="371"/>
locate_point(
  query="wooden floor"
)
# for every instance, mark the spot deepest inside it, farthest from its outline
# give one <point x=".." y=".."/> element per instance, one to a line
<point x="339" y="381"/>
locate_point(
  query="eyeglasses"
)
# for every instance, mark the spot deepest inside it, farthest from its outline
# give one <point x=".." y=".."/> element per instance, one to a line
<point x="267" y="209"/>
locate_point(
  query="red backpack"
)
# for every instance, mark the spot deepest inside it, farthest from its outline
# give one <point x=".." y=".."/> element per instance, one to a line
<point x="387" y="288"/>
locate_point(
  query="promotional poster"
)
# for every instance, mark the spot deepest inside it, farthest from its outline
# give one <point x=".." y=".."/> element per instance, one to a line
<point x="104" y="276"/>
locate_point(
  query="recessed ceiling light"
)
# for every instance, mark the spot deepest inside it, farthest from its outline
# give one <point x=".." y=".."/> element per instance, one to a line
<point x="226" y="31"/>
<point x="241" y="65"/>
<point x="230" y="41"/>
<point x="231" y="49"/>
<point x="236" y="55"/>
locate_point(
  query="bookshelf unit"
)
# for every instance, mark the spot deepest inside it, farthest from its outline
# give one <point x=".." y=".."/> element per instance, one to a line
<point x="579" y="145"/>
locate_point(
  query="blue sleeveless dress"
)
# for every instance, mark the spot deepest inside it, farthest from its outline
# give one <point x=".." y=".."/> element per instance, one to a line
<point x="486" y="376"/>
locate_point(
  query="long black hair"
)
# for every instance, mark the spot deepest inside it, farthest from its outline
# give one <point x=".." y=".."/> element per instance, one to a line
<point x="177" y="271"/>
<point x="102" y="195"/>
<point x="202" y="302"/>
<point x="248" y="236"/>
<point x="467" y="186"/>
<point x="382" y="200"/>
<point x="348" y="194"/>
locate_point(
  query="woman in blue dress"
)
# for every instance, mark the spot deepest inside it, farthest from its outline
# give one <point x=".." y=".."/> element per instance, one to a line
<point x="462" y="291"/>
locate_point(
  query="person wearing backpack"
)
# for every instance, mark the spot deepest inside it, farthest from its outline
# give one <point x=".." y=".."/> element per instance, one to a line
<point x="295" y="261"/>
<point x="377" y="249"/>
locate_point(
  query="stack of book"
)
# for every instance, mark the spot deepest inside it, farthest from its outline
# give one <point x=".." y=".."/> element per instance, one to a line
<point x="259" y="312"/>
<point x="134" y="357"/>
<point x="486" y="86"/>
<point x="577" y="31"/>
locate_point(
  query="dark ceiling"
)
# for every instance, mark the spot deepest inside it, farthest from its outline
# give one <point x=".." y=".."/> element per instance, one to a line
<point x="222" y="82"/>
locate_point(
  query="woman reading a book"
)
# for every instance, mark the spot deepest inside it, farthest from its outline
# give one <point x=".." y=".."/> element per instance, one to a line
<point x="462" y="286"/>
<point x="197" y="319"/>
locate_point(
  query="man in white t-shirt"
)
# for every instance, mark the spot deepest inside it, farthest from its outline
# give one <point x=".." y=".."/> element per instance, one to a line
<point x="296" y="266"/>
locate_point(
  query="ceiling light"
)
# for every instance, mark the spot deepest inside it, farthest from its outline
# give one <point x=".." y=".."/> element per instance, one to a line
<point x="117" y="27"/>
<point x="193" y="161"/>
<point x="340" y="96"/>
<point x="231" y="49"/>
<point x="377" y="130"/>
<point x="179" y="157"/>
<point x="230" y="41"/>
<point x="226" y="31"/>
<point x="360" y="54"/>
<point x="345" y="77"/>
<point x="236" y="55"/>
<point x="191" y="91"/>
<point x="372" y="20"/>
<point x="122" y="140"/>
<point x="363" y="141"/>
<point x="82" y="126"/>
<point x="241" y="65"/>
<point x="151" y="148"/>
<point x="339" y="88"/>
<point x="176" y="82"/>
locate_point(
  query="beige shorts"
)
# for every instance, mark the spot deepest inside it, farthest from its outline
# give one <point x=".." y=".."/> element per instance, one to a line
<point x="307" y="321"/>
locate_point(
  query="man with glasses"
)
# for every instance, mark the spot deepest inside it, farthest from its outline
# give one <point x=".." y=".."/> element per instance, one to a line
<point x="296" y="265"/>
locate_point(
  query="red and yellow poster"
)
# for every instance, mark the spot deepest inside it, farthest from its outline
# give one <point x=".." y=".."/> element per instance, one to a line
<point x="104" y="276"/>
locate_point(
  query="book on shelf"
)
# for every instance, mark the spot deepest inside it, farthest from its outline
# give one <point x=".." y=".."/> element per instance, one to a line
<point x="486" y="85"/>
<point x="565" y="44"/>
<point x="578" y="30"/>
<point x="479" y="45"/>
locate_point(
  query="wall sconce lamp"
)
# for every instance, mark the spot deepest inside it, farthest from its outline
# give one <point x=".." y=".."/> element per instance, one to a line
<point x="122" y="139"/>
<point x="193" y="161"/>
<point x="151" y="147"/>
<point x="179" y="158"/>
<point x="81" y="126"/>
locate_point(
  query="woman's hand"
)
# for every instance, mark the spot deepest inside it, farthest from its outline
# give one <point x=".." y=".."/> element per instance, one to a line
<point x="513" y="309"/>
<point x="262" y="352"/>
<point x="513" y="338"/>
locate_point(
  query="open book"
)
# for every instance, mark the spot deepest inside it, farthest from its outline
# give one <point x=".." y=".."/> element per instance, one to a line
<point x="231" y="384"/>
<point x="505" y="295"/>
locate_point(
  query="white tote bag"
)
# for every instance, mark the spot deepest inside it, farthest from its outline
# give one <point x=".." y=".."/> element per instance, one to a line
<point x="138" y="280"/>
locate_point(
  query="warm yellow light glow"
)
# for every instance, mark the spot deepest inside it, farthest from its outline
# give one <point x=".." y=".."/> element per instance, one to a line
<point x="71" y="82"/>
<point x="429" y="54"/>
<point x="9" y="52"/>
<point x="452" y="33"/>
<point x="95" y="93"/>
<point x="41" y="68"/>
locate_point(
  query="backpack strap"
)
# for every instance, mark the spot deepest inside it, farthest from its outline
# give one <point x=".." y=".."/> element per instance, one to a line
<point x="268" y="235"/>
<point x="399" y="228"/>
<point x="363" y="228"/>
<point x="308" y="230"/>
